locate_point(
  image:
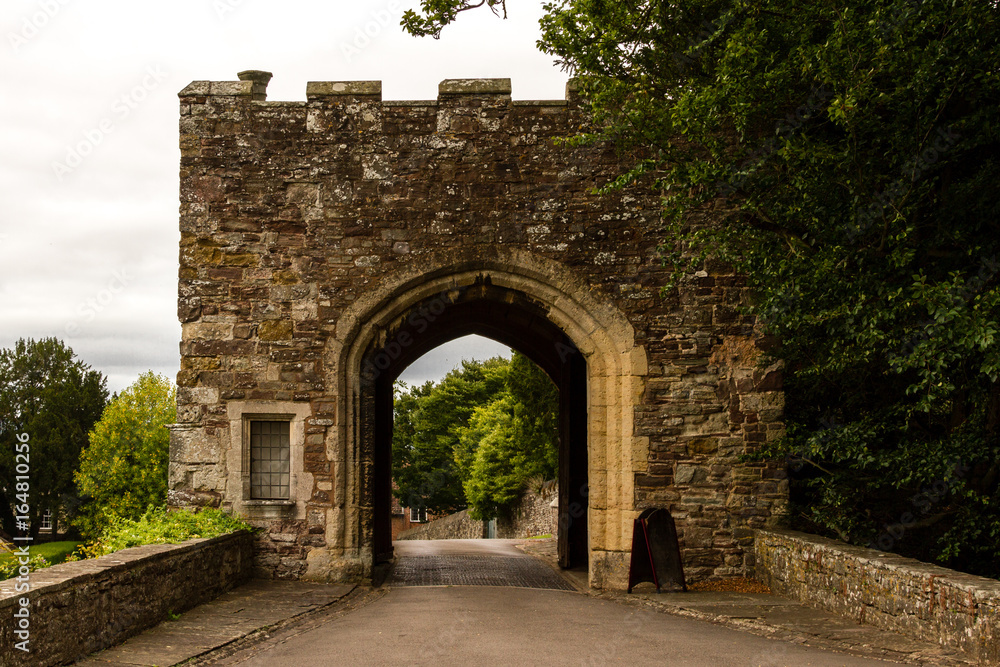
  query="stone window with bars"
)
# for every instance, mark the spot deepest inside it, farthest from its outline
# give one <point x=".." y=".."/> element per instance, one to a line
<point x="270" y="464"/>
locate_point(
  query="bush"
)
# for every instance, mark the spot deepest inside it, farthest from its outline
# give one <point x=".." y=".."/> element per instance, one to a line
<point x="124" y="468"/>
<point x="161" y="526"/>
<point x="10" y="565"/>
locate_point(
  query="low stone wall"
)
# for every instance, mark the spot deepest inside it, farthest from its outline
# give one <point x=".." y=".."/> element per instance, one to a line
<point x="534" y="516"/>
<point x="82" y="607"/>
<point x="457" y="526"/>
<point x="958" y="610"/>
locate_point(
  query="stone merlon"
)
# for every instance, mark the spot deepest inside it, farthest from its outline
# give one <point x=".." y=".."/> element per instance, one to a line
<point x="253" y="84"/>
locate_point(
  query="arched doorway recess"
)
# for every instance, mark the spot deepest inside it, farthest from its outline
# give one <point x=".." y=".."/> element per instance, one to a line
<point x="535" y="306"/>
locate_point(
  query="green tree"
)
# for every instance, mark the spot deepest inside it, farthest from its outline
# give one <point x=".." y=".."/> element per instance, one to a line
<point x="495" y="477"/>
<point x="51" y="398"/>
<point x="475" y="438"/>
<point x="408" y="472"/>
<point x="843" y="157"/>
<point x="536" y="408"/>
<point x="123" y="471"/>
<point x="426" y="423"/>
<point x="509" y="441"/>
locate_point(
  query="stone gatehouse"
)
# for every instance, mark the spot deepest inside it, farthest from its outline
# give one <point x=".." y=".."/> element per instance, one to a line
<point x="327" y="244"/>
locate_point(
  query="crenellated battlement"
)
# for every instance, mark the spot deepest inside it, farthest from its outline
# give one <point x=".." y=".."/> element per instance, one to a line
<point x="253" y="86"/>
<point x="353" y="114"/>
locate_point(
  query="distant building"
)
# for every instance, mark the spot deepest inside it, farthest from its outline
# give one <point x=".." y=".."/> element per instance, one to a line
<point x="404" y="518"/>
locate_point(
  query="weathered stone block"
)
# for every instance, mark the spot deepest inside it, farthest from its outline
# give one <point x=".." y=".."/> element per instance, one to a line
<point x="272" y="330"/>
<point x="689" y="474"/>
<point x="317" y="89"/>
<point x="703" y="446"/>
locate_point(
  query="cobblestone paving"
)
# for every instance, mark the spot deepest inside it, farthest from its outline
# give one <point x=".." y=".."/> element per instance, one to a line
<point x="467" y="570"/>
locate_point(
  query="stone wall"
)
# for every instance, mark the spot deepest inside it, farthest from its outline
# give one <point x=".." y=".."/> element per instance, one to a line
<point x="881" y="589"/>
<point x="533" y="516"/>
<point x="81" y="607"/>
<point x="313" y="232"/>
<point x="457" y="526"/>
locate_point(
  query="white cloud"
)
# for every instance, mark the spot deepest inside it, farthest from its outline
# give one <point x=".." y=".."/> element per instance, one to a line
<point x="61" y="241"/>
<point x="435" y="364"/>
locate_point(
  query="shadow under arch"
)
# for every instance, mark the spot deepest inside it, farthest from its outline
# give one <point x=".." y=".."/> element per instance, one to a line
<point x="549" y="313"/>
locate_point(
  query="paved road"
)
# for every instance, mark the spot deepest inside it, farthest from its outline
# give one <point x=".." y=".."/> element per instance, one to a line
<point x="504" y="625"/>
<point x="470" y="563"/>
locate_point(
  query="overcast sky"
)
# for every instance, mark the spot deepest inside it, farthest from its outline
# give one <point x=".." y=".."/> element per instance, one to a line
<point x="88" y="142"/>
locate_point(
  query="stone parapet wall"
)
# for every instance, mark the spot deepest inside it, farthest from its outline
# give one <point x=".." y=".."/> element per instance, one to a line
<point x="887" y="591"/>
<point x="457" y="526"/>
<point x="533" y="516"/>
<point x="81" y="607"/>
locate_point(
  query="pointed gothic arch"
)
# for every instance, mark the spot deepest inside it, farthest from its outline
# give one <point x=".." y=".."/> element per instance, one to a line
<point x="535" y="305"/>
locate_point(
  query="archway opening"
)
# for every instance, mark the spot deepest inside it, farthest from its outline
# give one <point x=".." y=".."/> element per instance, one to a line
<point x="472" y="420"/>
<point x="513" y="319"/>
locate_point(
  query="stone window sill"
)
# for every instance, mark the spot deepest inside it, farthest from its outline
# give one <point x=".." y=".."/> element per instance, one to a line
<point x="268" y="509"/>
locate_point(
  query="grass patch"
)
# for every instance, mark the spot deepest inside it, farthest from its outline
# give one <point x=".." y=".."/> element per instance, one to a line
<point x="39" y="558"/>
<point x="53" y="552"/>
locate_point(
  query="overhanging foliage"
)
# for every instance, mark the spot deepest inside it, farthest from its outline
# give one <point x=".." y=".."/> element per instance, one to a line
<point x="843" y="156"/>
